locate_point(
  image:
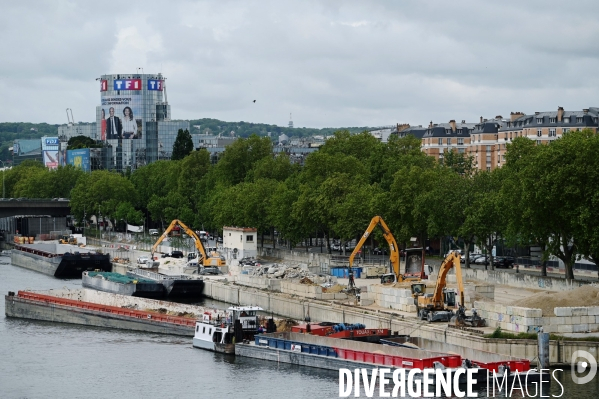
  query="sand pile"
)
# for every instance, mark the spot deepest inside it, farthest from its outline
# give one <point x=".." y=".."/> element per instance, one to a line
<point x="546" y="301"/>
<point x="334" y="289"/>
<point x="285" y="325"/>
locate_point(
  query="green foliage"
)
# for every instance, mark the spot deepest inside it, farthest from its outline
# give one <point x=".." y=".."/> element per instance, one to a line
<point x="78" y="142"/>
<point x="183" y="145"/>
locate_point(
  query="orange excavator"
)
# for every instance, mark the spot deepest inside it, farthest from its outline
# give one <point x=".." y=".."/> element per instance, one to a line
<point x="389" y="278"/>
<point x="437" y="306"/>
<point x="203" y="258"/>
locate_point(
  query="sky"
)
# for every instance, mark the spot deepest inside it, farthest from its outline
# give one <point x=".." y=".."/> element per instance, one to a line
<point x="328" y="63"/>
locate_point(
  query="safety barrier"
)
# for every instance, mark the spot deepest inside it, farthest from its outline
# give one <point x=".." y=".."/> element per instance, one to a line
<point x="137" y="314"/>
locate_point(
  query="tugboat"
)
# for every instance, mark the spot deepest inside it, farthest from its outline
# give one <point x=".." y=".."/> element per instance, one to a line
<point x="218" y="333"/>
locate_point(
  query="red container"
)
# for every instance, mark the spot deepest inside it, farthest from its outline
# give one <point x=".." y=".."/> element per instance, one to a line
<point x="341" y="353"/>
<point x="369" y="357"/>
<point x="388" y="360"/>
<point x="350" y="355"/>
<point x="397" y="361"/>
<point x="453" y="361"/>
<point x="359" y="356"/>
<point x="379" y="358"/>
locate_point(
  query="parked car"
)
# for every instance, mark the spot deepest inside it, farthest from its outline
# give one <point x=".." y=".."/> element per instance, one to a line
<point x="154" y="232"/>
<point x="504" y="262"/>
<point x="219" y="239"/>
<point x="177" y="254"/>
<point x="380" y="251"/>
<point x="474" y="257"/>
<point x="482" y="260"/>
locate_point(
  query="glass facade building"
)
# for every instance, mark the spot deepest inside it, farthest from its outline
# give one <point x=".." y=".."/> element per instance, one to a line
<point x="134" y="120"/>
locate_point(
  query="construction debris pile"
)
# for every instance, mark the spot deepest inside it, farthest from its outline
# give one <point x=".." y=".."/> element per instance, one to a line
<point x="282" y="271"/>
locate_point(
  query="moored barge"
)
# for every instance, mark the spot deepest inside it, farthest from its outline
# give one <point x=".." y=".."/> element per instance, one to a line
<point x="59" y="260"/>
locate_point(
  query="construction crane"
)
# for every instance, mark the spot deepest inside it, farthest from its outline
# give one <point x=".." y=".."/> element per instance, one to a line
<point x="390" y="278"/>
<point x="203" y="258"/>
<point x="436" y="306"/>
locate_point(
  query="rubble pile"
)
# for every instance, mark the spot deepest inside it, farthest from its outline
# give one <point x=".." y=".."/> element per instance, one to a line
<point x="282" y="271"/>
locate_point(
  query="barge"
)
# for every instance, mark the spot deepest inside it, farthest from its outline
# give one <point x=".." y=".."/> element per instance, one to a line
<point x="101" y="309"/>
<point x="357" y="332"/>
<point x="59" y="260"/>
<point x="333" y="354"/>
<point x="124" y="285"/>
<point x="178" y="286"/>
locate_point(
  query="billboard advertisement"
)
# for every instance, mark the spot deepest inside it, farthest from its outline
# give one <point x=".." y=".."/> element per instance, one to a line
<point x="126" y="84"/>
<point x="154" y="84"/>
<point x="121" y="117"/>
<point x="50" y="151"/>
<point x="79" y="159"/>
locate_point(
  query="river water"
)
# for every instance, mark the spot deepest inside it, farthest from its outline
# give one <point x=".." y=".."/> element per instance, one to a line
<point x="51" y="360"/>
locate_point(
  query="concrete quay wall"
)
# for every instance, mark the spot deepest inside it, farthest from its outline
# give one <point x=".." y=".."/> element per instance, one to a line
<point x="522" y="280"/>
<point x="298" y="308"/>
<point x="566" y="320"/>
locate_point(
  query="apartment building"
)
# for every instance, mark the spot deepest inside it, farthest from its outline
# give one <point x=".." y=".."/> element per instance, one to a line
<point x="486" y="141"/>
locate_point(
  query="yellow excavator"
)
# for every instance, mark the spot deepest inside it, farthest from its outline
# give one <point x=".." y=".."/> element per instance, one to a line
<point x="203" y="259"/>
<point x="437" y="306"/>
<point x="66" y="239"/>
<point x="389" y="278"/>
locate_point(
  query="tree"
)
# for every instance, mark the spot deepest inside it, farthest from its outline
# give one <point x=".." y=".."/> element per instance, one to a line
<point x="183" y="145"/>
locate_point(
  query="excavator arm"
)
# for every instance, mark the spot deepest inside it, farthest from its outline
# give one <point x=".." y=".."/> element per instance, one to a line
<point x="394" y="253"/>
<point x="198" y="243"/>
<point x="451" y="261"/>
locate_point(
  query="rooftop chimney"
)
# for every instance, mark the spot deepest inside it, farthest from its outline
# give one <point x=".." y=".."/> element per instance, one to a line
<point x="516" y="115"/>
<point x="537" y="112"/>
<point x="499" y="117"/>
<point x="431" y="124"/>
<point x="481" y="119"/>
<point x="560" y="114"/>
<point x="463" y="120"/>
<point x="452" y="124"/>
<point x="585" y="110"/>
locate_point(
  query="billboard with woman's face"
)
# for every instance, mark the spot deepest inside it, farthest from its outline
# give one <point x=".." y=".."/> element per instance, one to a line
<point x="121" y="117"/>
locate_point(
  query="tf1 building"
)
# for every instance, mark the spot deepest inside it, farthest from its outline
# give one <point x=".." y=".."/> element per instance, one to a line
<point x="134" y="120"/>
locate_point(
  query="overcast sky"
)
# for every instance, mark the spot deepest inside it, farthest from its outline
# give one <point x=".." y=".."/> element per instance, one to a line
<point x="329" y="63"/>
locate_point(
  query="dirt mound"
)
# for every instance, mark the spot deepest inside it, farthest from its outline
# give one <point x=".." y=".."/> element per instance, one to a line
<point x="285" y="325"/>
<point x="546" y="301"/>
<point x="306" y="281"/>
<point x="334" y="289"/>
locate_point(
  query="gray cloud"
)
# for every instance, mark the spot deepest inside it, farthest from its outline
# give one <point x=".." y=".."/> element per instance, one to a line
<point x="348" y="63"/>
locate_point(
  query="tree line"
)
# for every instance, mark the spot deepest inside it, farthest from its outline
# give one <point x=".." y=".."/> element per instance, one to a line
<point x="544" y="195"/>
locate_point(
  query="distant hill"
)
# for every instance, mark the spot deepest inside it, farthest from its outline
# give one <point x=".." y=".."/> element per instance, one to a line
<point x="9" y="131"/>
<point x="245" y="129"/>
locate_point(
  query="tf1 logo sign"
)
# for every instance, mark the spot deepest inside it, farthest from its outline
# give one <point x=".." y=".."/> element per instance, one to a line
<point x="103" y="85"/>
<point x="53" y="141"/>
<point x="127" y="84"/>
<point x="155" y="84"/>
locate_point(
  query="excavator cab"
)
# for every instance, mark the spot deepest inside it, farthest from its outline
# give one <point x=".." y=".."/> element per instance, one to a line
<point x="450" y="298"/>
<point x="418" y="289"/>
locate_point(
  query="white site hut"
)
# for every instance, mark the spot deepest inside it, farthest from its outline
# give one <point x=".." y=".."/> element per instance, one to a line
<point x="240" y="242"/>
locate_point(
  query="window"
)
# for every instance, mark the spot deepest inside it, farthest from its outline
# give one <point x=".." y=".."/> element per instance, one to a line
<point x="552" y="120"/>
<point x="204" y="330"/>
<point x="460" y="141"/>
<point x="551" y="132"/>
<point x="489" y="148"/>
<point x="197" y="328"/>
<point x="488" y="168"/>
<point x="210" y="331"/>
<point x="565" y="130"/>
<point x="449" y="141"/>
<point x="538" y="142"/>
<point x="249" y="238"/>
<point x="539" y="133"/>
<point x="461" y="150"/>
<point x="579" y="120"/>
<point x="539" y="120"/>
<point x="440" y="141"/>
<point x="459" y="131"/>
<point x="567" y="120"/>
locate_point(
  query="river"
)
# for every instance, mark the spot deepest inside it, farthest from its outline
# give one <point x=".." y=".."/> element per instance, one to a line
<point x="51" y="360"/>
